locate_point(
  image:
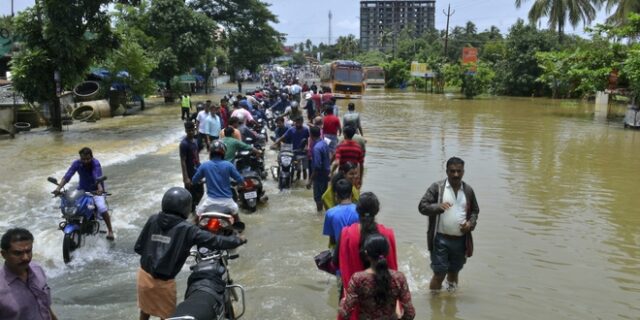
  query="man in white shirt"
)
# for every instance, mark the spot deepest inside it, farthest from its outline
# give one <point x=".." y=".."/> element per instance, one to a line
<point x="453" y="212"/>
<point x="202" y="132"/>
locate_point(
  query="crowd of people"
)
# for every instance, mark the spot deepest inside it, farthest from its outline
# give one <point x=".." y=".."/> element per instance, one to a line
<point x="333" y="152"/>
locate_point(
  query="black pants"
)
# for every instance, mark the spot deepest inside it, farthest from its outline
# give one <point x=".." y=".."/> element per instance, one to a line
<point x="197" y="191"/>
<point x="185" y="113"/>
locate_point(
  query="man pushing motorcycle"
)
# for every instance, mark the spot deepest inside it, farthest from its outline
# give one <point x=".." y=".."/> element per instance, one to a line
<point x="89" y="169"/>
<point x="163" y="246"/>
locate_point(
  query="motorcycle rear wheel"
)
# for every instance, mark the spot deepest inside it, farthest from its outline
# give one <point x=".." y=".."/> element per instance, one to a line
<point x="70" y="242"/>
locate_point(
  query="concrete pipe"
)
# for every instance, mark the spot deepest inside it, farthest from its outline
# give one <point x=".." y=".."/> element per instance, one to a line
<point x="101" y="107"/>
<point x="86" y="91"/>
<point x="84" y="113"/>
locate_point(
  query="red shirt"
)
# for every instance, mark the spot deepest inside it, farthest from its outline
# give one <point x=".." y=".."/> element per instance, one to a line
<point x="331" y="124"/>
<point x="349" y="151"/>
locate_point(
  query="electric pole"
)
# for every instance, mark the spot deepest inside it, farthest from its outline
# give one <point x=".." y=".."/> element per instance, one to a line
<point x="446" y="33"/>
<point x="330" y="16"/>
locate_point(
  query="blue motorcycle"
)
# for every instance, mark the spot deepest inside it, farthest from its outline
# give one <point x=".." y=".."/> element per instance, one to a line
<point x="80" y="217"/>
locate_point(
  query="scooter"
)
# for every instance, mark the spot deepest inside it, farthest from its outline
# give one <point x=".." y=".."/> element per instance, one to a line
<point x="250" y="167"/>
<point x="211" y="292"/>
<point x="79" y="212"/>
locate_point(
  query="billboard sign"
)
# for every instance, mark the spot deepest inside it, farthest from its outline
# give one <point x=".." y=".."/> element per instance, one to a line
<point x="420" y="70"/>
<point x="470" y="57"/>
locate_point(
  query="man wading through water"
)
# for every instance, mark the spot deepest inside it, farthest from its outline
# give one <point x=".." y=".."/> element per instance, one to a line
<point x="453" y="211"/>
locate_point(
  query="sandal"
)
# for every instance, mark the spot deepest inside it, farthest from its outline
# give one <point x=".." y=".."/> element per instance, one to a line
<point x="110" y="237"/>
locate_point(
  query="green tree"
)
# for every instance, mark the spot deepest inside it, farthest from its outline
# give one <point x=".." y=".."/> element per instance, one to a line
<point x="181" y="37"/>
<point x="308" y="45"/>
<point x="133" y="59"/>
<point x="559" y="11"/>
<point x="396" y="73"/>
<point x="63" y="38"/>
<point x="517" y="72"/>
<point x="622" y="10"/>
<point x="347" y="47"/>
<point x="250" y="37"/>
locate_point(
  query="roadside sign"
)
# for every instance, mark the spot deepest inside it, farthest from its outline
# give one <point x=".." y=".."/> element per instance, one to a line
<point x="420" y="70"/>
<point x="470" y="57"/>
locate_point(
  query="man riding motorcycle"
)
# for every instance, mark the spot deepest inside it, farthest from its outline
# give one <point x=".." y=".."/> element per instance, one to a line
<point x="218" y="173"/>
<point x="89" y="169"/>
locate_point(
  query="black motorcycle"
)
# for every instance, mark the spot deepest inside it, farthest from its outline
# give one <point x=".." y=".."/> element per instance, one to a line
<point x="211" y="292"/>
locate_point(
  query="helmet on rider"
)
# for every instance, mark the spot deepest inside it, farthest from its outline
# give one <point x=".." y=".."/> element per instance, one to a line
<point x="294" y="104"/>
<point x="177" y="201"/>
<point x="218" y="149"/>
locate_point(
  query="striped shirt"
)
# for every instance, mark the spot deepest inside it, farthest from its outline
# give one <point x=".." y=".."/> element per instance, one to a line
<point x="349" y="151"/>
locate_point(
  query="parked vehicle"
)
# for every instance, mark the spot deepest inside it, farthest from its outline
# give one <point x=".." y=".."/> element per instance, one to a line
<point x="80" y="217"/>
<point x="211" y="292"/>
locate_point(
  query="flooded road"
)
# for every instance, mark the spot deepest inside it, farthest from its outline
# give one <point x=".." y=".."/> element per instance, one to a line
<point x="558" y="235"/>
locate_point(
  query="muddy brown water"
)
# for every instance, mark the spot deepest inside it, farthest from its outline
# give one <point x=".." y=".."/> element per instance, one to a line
<point x="558" y="234"/>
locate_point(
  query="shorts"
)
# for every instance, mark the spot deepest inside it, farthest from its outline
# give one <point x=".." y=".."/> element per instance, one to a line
<point x="223" y="205"/>
<point x="101" y="204"/>
<point x="448" y="255"/>
<point x="303" y="159"/>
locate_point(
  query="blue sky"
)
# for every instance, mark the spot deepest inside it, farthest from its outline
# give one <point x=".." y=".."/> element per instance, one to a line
<point x="305" y="19"/>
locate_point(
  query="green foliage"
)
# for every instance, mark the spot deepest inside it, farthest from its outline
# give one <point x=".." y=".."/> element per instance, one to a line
<point x="631" y="70"/>
<point x="396" y="72"/>
<point x="132" y="58"/>
<point x="298" y="58"/>
<point x="63" y="36"/>
<point x="250" y="37"/>
<point x="181" y="36"/>
<point x="559" y="11"/>
<point x="371" y="58"/>
<point x="517" y="72"/>
<point x="347" y="47"/>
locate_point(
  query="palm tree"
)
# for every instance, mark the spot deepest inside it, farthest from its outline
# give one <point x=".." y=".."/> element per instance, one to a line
<point x="308" y="44"/>
<point x="558" y="11"/>
<point x="622" y="11"/>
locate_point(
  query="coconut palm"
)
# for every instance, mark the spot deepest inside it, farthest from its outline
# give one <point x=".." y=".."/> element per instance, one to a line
<point x="622" y="10"/>
<point x="559" y="11"/>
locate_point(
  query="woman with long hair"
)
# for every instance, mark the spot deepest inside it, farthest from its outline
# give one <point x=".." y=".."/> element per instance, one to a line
<point x="377" y="291"/>
<point x="351" y="249"/>
<point x="349" y="171"/>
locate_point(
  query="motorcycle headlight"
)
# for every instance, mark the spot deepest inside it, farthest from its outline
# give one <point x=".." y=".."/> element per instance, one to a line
<point x="70" y="211"/>
<point x="286" y="161"/>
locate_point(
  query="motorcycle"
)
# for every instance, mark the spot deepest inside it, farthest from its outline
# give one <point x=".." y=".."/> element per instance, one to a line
<point x="80" y="217"/>
<point x="211" y="292"/>
<point x="271" y="118"/>
<point x="251" y="167"/>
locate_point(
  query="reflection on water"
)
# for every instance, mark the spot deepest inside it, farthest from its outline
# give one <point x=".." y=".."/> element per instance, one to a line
<point x="558" y="232"/>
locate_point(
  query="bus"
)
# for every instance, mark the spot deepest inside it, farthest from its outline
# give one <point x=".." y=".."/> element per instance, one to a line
<point x="343" y="78"/>
<point x="374" y="77"/>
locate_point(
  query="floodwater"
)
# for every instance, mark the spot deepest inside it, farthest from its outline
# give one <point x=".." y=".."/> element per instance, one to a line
<point x="558" y="235"/>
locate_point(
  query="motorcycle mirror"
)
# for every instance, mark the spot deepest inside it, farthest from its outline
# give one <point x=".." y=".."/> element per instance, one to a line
<point x="52" y="180"/>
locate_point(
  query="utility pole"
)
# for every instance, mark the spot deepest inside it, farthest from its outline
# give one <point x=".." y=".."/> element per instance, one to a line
<point x="446" y="33"/>
<point x="330" y="16"/>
